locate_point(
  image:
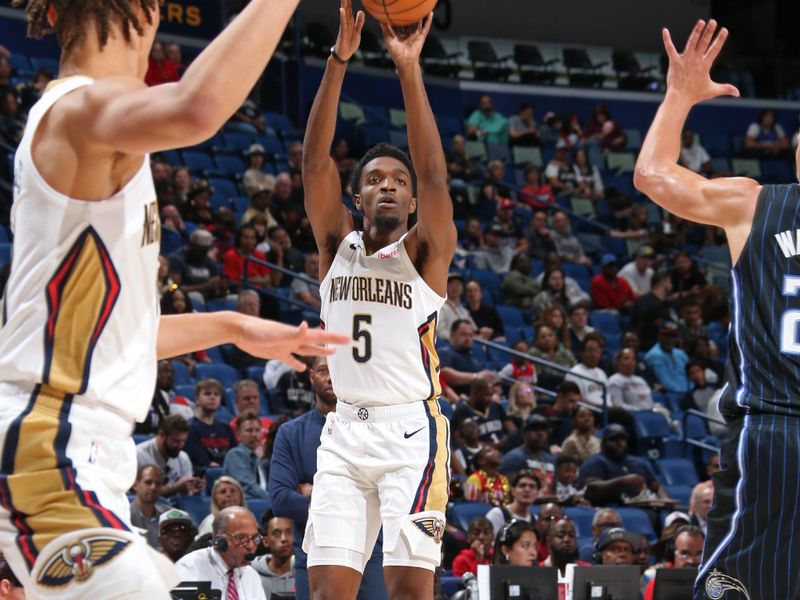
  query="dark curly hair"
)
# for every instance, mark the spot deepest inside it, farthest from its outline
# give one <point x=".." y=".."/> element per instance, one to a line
<point x="71" y="17"/>
<point x="375" y="152"/>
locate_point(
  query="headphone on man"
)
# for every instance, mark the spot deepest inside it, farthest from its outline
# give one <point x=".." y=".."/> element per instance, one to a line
<point x="669" y="548"/>
<point x="220" y="543"/>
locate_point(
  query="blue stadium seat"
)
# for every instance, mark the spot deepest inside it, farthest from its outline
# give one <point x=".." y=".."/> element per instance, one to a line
<point x="582" y="518"/>
<point x="198" y="507"/>
<point x="677" y="471"/>
<point x="695" y="427"/>
<point x="651" y="430"/>
<point x="182" y="376"/>
<point x="511" y="316"/>
<point x="223" y="414"/>
<point x="450" y="585"/>
<point x="449" y="125"/>
<point x="635" y="519"/>
<point x="236" y="142"/>
<point x="197" y="162"/>
<point x="463" y="512"/>
<point x="223" y="187"/>
<point x="218" y="202"/>
<point x="279" y="121"/>
<point x="607" y="323"/>
<point x="173" y="157"/>
<point x="171" y="241"/>
<point x="575" y="270"/>
<point x="218" y="304"/>
<point x="212" y="474"/>
<point x="776" y="171"/>
<point x="186" y="390"/>
<point x="489" y="280"/>
<point x="256" y="374"/>
<point x="5" y="253"/>
<point x="273" y="147"/>
<point x="258" y="506"/>
<point x="225" y="374"/>
<point x="717" y="144"/>
<point x="41" y="62"/>
<point x="681" y="493"/>
<point x="20" y="64"/>
<point x="230" y="165"/>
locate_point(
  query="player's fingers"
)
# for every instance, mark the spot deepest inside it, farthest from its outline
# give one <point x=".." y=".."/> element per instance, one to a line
<point x="385" y="31"/>
<point x="691" y="43"/>
<point x="706" y="36"/>
<point x="293" y="362"/>
<point x="425" y="25"/>
<point x="360" y="18"/>
<point x="315" y="350"/>
<point x="672" y="52"/>
<point x="716" y="46"/>
<point x="322" y="336"/>
<point x="726" y="89"/>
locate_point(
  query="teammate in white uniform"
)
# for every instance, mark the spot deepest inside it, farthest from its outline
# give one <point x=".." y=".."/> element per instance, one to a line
<point x="384" y="454"/>
<point x="81" y="329"/>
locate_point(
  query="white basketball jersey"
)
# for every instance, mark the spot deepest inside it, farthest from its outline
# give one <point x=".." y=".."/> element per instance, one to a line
<point x="391" y="313"/>
<point x="80" y="311"/>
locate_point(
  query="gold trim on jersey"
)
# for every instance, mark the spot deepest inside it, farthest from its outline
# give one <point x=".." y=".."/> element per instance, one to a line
<point x="439" y="487"/>
<point x="430" y="357"/>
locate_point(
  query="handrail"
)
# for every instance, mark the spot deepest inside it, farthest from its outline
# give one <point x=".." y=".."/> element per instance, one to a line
<point x="705" y="417"/>
<point x="266" y="290"/>
<point x="550" y="365"/>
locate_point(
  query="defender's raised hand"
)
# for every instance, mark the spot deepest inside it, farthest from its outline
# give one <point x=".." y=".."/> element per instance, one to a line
<point x="406" y="49"/>
<point x="690" y="71"/>
<point x="349" y="30"/>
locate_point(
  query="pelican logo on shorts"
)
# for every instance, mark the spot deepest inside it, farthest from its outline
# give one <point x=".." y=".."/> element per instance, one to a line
<point x="363" y="414"/>
<point x="431" y="526"/>
<point x="78" y="561"/>
<point x="718" y="583"/>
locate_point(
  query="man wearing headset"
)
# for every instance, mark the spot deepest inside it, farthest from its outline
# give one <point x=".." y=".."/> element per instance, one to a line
<point x="684" y="550"/>
<point x="226" y="563"/>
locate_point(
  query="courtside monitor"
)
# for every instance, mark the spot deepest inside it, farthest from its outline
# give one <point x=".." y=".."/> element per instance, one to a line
<point x="195" y="590"/>
<point x="674" y="584"/>
<point x="604" y="582"/>
<point x="504" y="582"/>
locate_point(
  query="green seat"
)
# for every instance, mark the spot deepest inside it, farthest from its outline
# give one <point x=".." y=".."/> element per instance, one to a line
<point x="747" y="167"/>
<point x="349" y="111"/>
<point x="475" y="150"/>
<point x="523" y="155"/>
<point x="621" y="162"/>
<point x="397" y="117"/>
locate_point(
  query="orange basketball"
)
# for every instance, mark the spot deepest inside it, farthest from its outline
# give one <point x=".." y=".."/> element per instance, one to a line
<point x="399" y="12"/>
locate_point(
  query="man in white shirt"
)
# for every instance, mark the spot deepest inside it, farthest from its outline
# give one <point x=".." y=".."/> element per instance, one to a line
<point x="226" y="564"/>
<point x="693" y="155"/>
<point x="452" y="310"/>
<point x="627" y="390"/>
<point x="639" y="271"/>
<point x="591" y="391"/>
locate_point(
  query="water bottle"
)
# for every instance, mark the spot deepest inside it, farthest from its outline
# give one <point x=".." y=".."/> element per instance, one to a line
<point x="471" y="584"/>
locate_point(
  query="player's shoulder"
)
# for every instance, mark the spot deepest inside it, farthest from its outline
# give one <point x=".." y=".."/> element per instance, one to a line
<point x="90" y="98"/>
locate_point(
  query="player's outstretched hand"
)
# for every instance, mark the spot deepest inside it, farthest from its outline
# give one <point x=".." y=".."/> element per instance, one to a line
<point x="690" y="71"/>
<point x="270" y="339"/>
<point x="406" y="49"/>
<point x="349" y="30"/>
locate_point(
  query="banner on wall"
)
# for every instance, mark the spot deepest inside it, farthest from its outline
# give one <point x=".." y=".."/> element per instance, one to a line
<point x="193" y="18"/>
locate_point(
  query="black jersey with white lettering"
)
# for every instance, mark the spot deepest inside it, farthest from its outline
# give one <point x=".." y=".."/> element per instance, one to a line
<point x="764" y="359"/>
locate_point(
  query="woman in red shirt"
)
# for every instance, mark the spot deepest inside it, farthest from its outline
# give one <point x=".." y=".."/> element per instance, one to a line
<point x="233" y="261"/>
<point x="536" y="194"/>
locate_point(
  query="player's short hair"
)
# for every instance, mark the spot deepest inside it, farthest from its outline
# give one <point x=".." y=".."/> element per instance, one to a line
<point x="173" y="423"/>
<point x="377" y="151"/>
<point x="71" y="17"/>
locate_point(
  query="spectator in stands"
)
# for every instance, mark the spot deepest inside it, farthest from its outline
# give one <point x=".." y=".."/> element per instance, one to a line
<point x="452" y="310"/>
<point x="613" y="474"/>
<point x="571" y="130"/>
<point x="183" y="184"/>
<point x="604" y="131"/>
<point x="687" y="551"/>
<point x="294" y="157"/>
<point x="193" y="270"/>
<point x="293" y="394"/>
<point x="555" y="317"/>
<point x="609" y="291"/>
<point x="700" y="503"/>
<point x="486" y="124"/>
<point x="468" y="444"/>
<point x="651" y="309"/>
<point x="604" y="518"/>
<point x="559" y="174"/>
<point x="524" y="491"/>
<point x="493" y="422"/>
<point x="175" y="533"/>
<point x="579" y="326"/>
<point x="198" y="208"/>
<point x="260" y="194"/>
<point x="176" y="302"/>
<point x="209" y="439"/>
<point x="242" y="463"/>
<point x="160" y="69"/>
<point x="165" y="451"/>
<point x="494" y="188"/>
<point x="479" y="537"/>
<point x="254" y="177"/>
<point x="233" y="263"/>
<point x="692" y="330"/>
<point x="521" y="399"/>
<point x="304" y="291"/>
<point x="575" y="292"/>
<point x="281" y="251"/>
<point x="701" y="391"/>
<point x="567" y="245"/>
<point x="582" y="442"/>
<point x="247" y="303"/>
<point x="471" y="237"/>
<point x="250" y="119"/>
<point x="460" y="365"/>
<point x="487" y="484"/>
<point x="566" y="488"/>
<point x="562" y="546"/>
<point x="687" y="280"/>
<point x="275" y="568"/>
<point x="145" y="507"/>
<point x="668" y="362"/>
<point x="765" y="138"/>
<point x="248" y="399"/>
<point x="628" y="221"/>
<point x="485" y="316"/>
<point x="617" y="547"/>
<point x="238" y="528"/>
<point x="12" y="121"/>
<point x="504" y="218"/>
<point x="693" y="155"/>
<point x="162" y="398"/>
<point x="626" y="389"/>
<point x="225" y="492"/>
<point x="639" y="272"/>
<point x="516" y="544"/>
<point x="10" y="586"/>
<point x="343" y="160"/>
<point x="539" y="237"/>
<point x="536" y="194"/>
<point x="561" y="413"/>
<point x="553" y="291"/>
<point x="587" y="176"/>
<point x="533" y="455"/>
<point x="174" y="54"/>
<point x="164" y="281"/>
<point x="459" y="166"/>
<point x="589" y="366"/>
<point x="546" y="347"/>
<point x="172" y="221"/>
<point x="522" y="127"/>
<point x="494" y="255"/>
<point x="30" y="93"/>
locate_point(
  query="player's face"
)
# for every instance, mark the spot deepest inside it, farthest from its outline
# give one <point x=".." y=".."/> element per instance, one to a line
<point x="280" y="537"/>
<point x="523" y="552"/>
<point x="247" y="399"/>
<point x="688" y="550"/>
<point x="227" y="494"/>
<point x="618" y="553"/>
<point x="386" y="194"/>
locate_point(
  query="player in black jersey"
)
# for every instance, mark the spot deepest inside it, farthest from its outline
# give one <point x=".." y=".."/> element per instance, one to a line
<point x="752" y="549"/>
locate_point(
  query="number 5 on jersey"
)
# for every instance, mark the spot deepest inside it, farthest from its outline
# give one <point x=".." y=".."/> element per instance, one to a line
<point x="362" y="349"/>
<point x="790" y="318"/>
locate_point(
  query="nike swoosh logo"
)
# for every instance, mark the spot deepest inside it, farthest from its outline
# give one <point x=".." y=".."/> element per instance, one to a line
<point x="408" y="435"/>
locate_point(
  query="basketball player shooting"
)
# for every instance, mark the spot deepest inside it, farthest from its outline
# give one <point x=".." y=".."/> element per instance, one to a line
<point x="753" y="548"/>
<point x="384" y="454"/>
<point x="81" y="332"/>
